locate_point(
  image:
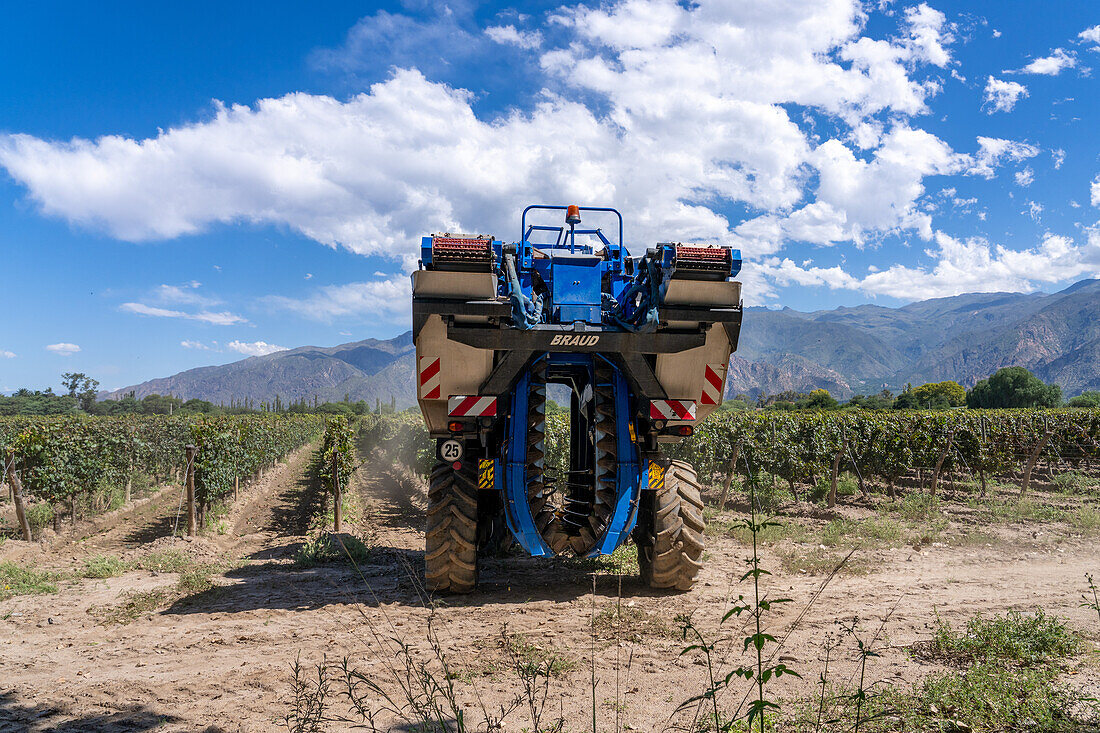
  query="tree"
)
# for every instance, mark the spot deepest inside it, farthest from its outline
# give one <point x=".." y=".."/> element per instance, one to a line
<point x="1013" y="387"/>
<point x="884" y="400"/>
<point x="1086" y="399"/>
<point x="940" y="394"/>
<point x="906" y="401"/>
<point x="82" y="387"/>
<point x="737" y="405"/>
<point x="819" y="399"/>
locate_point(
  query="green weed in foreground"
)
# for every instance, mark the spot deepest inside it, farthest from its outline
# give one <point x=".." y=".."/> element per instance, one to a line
<point x="533" y="657"/>
<point x="822" y="561"/>
<point x="1076" y="482"/>
<point x="917" y="507"/>
<point x="166" y="561"/>
<point x="623" y="561"/>
<point x="326" y="547"/>
<point x="985" y="698"/>
<point x="104" y="566"/>
<point x="39" y="516"/>
<point x="1027" y="639"/>
<point x="875" y="531"/>
<point x="16" y="580"/>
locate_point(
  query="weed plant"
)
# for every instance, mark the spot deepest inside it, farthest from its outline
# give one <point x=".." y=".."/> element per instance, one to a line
<point x="759" y="671"/>
<point x="1015" y="638"/>
<point x="16" y="580"/>
<point x="104" y="566"/>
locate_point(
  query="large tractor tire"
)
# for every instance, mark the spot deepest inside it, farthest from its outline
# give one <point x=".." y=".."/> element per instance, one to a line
<point x="451" y="538"/>
<point x="669" y="533"/>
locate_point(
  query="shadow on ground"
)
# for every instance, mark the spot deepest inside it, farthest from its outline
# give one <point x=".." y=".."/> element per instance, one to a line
<point x="395" y="576"/>
<point x="21" y="716"/>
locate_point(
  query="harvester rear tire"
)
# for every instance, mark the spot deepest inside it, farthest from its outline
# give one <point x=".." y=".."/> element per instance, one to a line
<point x="670" y="527"/>
<point x="450" y="547"/>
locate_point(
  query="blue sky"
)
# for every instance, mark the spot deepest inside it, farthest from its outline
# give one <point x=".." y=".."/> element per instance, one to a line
<point x="184" y="186"/>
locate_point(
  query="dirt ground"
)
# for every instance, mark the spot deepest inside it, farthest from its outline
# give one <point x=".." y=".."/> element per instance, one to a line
<point x="221" y="659"/>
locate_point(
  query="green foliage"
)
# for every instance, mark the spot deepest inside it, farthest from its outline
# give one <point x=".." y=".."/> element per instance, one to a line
<point x="39" y="515"/>
<point x="985" y="698"/>
<point x="884" y="445"/>
<point x="231" y="447"/>
<point x="403" y="436"/>
<point x="337" y="450"/>
<point x="325" y="547"/>
<point x="819" y="399"/>
<point x="71" y="459"/>
<point x="165" y="561"/>
<point x="1027" y="639"/>
<point x="947" y="394"/>
<point x="1086" y="399"/>
<point x="1013" y="387"/>
<point x="104" y="566"/>
<point x="25" y="402"/>
<point x="16" y="580"/>
<point x="884" y="400"/>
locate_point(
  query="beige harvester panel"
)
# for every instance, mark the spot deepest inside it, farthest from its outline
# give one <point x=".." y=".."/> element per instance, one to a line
<point x="699" y="374"/>
<point x="445" y="367"/>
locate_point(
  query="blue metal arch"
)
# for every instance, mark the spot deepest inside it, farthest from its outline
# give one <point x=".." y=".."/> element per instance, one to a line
<point x="629" y="476"/>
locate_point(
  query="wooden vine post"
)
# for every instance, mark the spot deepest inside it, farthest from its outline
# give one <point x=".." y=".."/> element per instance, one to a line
<point x="17" y="498"/>
<point x="191" y="453"/>
<point x="939" y="463"/>
<point x="729" y="476"/>
<point x="337" y="496"/>
<point x="1033" y="459"/>
<point x="834" y="475"/>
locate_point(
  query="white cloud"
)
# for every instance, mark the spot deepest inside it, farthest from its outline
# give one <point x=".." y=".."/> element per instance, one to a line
<point x="1025" y="177"/>
<point x="223" y="318"/>
<point x="973" y="265"/>
<point x="7" y="354"/>
<point x="1051" y="65"/>
<point x="992" y="151"/>
<point x="254" y="348"/>
<point x="198" y="345"/>
<point x="63" y="348"/>
<point x="1091" y="35"/>
<point x="1034" y="210"/>
<point x="1059" y="156"/>
<point x="385" y="299"/>
<point x="1094" y="191"/>
<point x="367" y="173"/>
<point x="1001" y="96"/>
<point x="186" y="294"/>
<point x="508" y="35"/>
<point x="977" y="266"/>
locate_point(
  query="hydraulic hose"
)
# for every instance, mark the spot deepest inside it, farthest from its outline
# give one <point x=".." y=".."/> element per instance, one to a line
<point x="525" y="312"/>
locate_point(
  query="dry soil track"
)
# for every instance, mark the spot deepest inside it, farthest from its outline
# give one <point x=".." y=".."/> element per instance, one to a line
<point x="220" y="660"/>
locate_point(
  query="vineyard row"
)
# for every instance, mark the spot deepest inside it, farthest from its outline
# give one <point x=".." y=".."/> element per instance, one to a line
<point x="65" y="461"/>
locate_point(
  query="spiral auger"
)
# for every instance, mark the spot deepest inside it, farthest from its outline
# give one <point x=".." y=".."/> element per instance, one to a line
<point x="538" y="489"/>
<point x="607" y="453"/>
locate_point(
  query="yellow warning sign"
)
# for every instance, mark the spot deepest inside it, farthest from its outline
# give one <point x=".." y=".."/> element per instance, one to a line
<point x="656" y="476"/>
<point x="485" y="477"/>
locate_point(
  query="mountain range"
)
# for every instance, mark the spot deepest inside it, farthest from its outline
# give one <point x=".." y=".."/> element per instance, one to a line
<point x="850" y="350"/>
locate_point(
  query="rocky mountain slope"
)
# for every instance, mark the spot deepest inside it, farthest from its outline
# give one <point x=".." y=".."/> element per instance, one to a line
<point x="845" y="350"/>
<point x="362" y="370"/>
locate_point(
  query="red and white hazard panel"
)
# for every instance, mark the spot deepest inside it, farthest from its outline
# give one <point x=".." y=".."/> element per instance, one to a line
<point x="471" y="406"/>
<point x="672" y="409"/>
<point x="429" y="378"/>
<point x="714" y="378"/>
